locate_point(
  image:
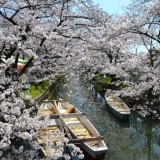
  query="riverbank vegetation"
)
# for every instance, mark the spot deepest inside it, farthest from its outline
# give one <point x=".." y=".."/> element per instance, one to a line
<point x="37" y="89"/>
<point x="74" y="36"/>
<point x="103" y="82"/>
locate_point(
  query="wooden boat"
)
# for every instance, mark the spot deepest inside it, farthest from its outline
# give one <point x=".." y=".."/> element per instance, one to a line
<point x="118" y="107"/>
<point x="82" y="129"/>
<point x="47" y="108"/>
<point x="45" y="134"/>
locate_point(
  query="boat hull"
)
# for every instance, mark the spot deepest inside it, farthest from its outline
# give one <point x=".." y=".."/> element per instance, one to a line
<point x="118" y="114"/>
<point x="93" y="152"/>
<point x="117" y="107"/>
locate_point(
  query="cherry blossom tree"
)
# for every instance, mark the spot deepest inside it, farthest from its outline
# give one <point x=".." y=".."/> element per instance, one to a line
<point x="110" y="53"/>
<point x="142" y="23"/>
<point x="68" y="36"/>
<point x="47" y="34"/>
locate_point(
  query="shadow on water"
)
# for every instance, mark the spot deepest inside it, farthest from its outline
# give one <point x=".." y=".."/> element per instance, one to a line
<point x="136" y="139"/>
<point x="120" y="123"/>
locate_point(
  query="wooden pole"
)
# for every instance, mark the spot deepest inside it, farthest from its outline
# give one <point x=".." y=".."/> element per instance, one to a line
<point x="63" y="123"/>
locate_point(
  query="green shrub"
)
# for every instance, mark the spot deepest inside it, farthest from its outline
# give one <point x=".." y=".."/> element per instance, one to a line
<point x="36" y="89"/>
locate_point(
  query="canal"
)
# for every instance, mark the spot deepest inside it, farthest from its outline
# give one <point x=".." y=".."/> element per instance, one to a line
<point x="136" y="139"/>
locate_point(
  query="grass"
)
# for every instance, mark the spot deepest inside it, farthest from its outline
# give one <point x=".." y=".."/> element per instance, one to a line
<point x="36" y="89"/>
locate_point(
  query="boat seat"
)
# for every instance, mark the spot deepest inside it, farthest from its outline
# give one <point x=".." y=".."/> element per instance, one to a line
<point x="49" y="128"/>
<point x="70" y="110"/>
<point x="46" y="112"/>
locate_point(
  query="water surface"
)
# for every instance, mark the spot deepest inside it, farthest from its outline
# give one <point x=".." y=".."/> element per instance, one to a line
<point x="136" y="139"/>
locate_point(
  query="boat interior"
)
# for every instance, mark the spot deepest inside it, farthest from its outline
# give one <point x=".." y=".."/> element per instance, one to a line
<point x="80" y="126"/>
<point x="46" y="135"/>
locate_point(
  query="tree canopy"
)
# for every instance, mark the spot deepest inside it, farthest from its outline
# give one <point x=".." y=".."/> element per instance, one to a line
<point x="68" y="37"/>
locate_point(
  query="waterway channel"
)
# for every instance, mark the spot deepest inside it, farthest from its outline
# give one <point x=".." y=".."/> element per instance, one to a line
<point x="136" y="139"/>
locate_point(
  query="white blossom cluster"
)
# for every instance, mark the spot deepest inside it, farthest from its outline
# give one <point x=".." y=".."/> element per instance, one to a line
<point x="67" y="37"/>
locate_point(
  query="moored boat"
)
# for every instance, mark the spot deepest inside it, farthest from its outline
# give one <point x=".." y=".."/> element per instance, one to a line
<point x="118" y="107"/>
<point x="47" y="134"/>
<point x="81" y="129"/>
<point x="52" y="133"/>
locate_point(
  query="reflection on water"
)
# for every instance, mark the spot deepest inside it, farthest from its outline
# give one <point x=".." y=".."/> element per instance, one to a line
<point x="136" y="139"/>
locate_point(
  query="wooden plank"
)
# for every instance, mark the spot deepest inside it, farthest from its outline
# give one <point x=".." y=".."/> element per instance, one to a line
<point x="86" y="139"/>
<point x="71" y="115"/>
<point x="43" y="112"/>
<point x="70" y="110"/>
<point x="65" y="127"/>
<point x="80" y="132"/>
<point x="52" y="127"/>
<point x="53" y="116"/>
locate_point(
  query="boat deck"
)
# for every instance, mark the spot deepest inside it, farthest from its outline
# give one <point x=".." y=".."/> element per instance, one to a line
<point x="74" y="124"/>
<point x="77" y="128"/>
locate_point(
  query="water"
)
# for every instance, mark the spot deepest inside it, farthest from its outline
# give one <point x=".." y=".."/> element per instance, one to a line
<point x="136" y="139"/>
